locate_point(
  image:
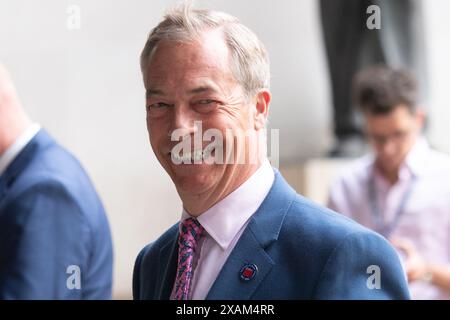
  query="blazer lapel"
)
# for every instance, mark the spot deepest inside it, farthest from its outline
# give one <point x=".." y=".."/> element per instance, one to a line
<point x="229" y="285"/>
<point x="261" y="232"/>
<point x="169" y="258"/>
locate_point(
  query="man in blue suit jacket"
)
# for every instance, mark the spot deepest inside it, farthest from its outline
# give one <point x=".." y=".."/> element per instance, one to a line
<point x="244" y="233"/>
<point x="55" y="241"/>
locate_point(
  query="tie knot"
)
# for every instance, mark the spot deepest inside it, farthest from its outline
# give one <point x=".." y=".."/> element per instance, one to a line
<point x="191" y="231"/>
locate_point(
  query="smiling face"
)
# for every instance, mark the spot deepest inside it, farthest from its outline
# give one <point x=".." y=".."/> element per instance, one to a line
<point x="192" y="81"/>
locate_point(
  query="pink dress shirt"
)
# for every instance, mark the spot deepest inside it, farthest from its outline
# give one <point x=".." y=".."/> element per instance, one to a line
<point x="224" y="223"/>
<point x="426" y="215"/>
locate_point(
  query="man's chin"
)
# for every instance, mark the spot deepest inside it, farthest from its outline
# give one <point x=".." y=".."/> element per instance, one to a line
<point x="192" y="176"/>
<point x="194" y="184"/>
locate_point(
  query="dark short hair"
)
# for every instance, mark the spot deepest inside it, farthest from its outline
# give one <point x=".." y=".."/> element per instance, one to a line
<point x="380" y="89"/>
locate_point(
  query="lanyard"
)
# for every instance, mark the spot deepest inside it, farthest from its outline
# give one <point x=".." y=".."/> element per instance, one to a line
<point x="386" y="228"/>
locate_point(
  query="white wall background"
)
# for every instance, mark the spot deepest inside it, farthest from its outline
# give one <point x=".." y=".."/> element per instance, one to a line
<point x="85" y="87"/>
<point x="438" y="51"/>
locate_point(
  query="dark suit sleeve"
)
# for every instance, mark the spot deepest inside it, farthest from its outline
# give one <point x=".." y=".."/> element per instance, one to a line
<point x="362" y="266"/>
<point x="43" y="249"/>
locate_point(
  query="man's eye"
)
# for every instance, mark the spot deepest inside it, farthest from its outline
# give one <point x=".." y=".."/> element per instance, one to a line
<point x="205" y="102"/>
<point x="205" y="105"/>
<point x="158" y="105"/>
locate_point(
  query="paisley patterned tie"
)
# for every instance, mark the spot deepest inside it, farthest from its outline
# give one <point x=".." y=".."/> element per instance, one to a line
<point x="191" y="231"/>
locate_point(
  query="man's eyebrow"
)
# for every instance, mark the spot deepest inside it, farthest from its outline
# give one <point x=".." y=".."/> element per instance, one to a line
<point x="154" y="92"/>
<point x="201" y="89"/>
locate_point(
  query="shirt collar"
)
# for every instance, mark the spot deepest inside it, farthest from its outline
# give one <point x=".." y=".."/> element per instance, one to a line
<point x="13" y="151"/>
<point x="416" y="158"/>
<point x="226" y="218"/>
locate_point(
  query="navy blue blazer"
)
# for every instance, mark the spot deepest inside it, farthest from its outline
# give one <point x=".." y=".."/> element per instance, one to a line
<point x="301" y="251"/>
<point x="55" y="241"/>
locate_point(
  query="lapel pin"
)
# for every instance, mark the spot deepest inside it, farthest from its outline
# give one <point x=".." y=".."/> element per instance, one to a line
<point x="248" y="272"/>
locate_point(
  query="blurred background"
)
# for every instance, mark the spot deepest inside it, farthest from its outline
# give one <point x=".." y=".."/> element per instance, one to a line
<point x="83" y="84"/>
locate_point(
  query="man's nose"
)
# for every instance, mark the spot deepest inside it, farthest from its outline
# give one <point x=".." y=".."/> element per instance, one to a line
<point x="183" y="119"/>
<point x="389" y="148"/>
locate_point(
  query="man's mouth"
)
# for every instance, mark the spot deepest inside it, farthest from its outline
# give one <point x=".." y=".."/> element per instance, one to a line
<point x="195" y="157"/>
<point x="187" y="157"/>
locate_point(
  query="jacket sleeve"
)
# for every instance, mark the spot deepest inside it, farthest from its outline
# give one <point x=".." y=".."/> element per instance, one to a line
<point x="43" y="245"/>
<point x="362" y="266"/>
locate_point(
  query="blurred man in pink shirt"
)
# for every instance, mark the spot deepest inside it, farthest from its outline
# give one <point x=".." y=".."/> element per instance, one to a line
<point x="403" y="190"/>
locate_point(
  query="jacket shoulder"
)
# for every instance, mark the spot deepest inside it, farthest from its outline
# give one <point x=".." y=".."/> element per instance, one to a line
<point x="320" y="230"/>
<point x="344" y="251"/>
<point x="312" y="218"/>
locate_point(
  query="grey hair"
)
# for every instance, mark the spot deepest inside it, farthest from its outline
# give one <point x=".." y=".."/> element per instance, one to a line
<point x="249" y="59"/>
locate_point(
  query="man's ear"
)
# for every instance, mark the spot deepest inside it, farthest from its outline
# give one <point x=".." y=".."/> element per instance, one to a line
<point x="262" y="108"/>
